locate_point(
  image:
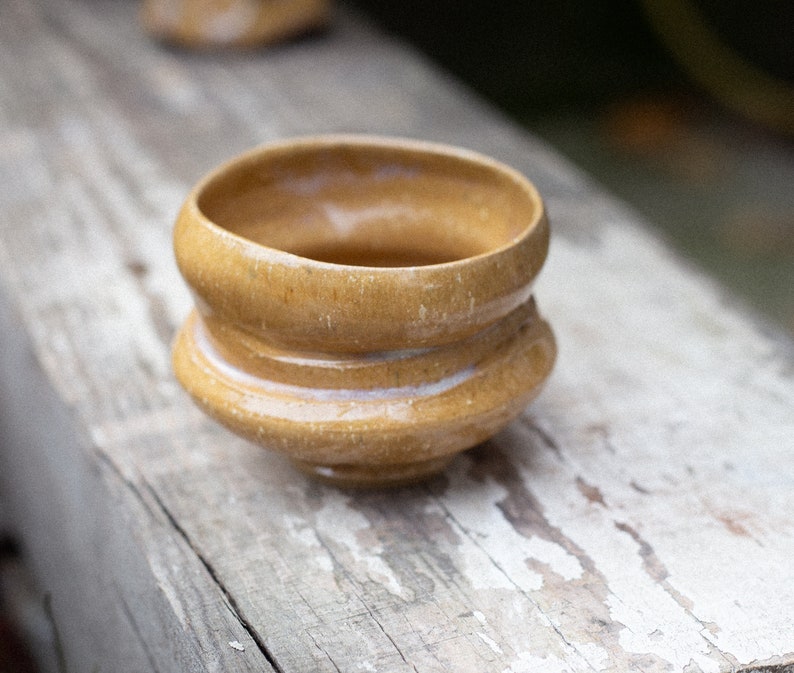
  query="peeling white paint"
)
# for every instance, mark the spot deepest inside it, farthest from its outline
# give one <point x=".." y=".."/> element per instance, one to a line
<point x="305" y="535"/>
<point x="595" y="654"/>
<point x="529" y="663"/>
<point x="490" y="642"/>
<point x="558" y="560"/>
<point x="348" y="532"/>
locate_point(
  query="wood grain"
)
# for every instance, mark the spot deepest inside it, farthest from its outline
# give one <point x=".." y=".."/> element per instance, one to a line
<point x="639" y="517"/>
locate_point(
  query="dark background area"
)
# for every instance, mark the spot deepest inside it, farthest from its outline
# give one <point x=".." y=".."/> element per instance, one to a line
<point x="537" y="56"/>
<point x="628" y="91"/>
<point x="534" y="57"/>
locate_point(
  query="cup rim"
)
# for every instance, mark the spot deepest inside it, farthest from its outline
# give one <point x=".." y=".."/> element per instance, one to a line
<point x="368" y="141"/>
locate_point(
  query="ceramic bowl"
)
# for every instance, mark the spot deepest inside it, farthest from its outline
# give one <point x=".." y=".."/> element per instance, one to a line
<point x="231" y="23"/>
<point x="363" y="305"/>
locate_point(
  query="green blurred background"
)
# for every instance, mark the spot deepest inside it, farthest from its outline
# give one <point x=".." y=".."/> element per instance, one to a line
<point x="684" y="108"/>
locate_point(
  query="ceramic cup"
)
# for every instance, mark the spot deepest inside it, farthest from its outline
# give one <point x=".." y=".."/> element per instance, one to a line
<point x="231" y="23"/>
<point x="363" y="305"/>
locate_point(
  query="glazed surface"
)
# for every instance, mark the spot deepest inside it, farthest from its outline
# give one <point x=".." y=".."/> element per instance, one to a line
<point x="378" y="412"/>
<point x="363" y="305"/>
<point x="238" y="235"/>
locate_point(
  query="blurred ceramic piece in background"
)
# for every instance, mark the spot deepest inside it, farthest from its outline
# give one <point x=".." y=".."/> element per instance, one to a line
<point x="363" y="305"/>
<point x="232" y="23"/>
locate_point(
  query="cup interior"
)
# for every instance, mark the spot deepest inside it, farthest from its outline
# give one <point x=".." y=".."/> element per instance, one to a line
<point x="371" y="205"/>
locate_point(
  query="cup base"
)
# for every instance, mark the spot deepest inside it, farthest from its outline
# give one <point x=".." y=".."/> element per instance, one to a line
<point x="365" y="476"/>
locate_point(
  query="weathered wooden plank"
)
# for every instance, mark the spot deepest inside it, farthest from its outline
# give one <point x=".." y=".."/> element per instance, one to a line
<point x="103" y="545"/>
<point x="639" y="517"/>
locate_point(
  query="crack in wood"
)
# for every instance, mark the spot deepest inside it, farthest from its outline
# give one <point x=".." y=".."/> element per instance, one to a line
<point x="163" y="510"/>
<point x="129" y="483"/>
<point x="340" y="568"/>
<point x="386" y="634"/>
<point x="125" y="608"/>
<point x="231" y="602"/>
<point x="324" y="651"/>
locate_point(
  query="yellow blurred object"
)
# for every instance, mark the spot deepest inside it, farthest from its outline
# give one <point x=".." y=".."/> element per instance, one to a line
<point x="232" y="23"/>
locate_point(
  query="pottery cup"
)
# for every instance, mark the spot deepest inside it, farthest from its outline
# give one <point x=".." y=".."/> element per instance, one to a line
<point x="363" y="305"/>
<point x="231" y="23"/>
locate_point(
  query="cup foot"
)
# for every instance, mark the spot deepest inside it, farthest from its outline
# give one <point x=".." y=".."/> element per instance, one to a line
<point x="374" y="476"/>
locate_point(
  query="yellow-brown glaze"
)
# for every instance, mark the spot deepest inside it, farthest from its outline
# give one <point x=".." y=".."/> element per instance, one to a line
<point x="363" y="305"/>
<point x="231" y="23"/>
